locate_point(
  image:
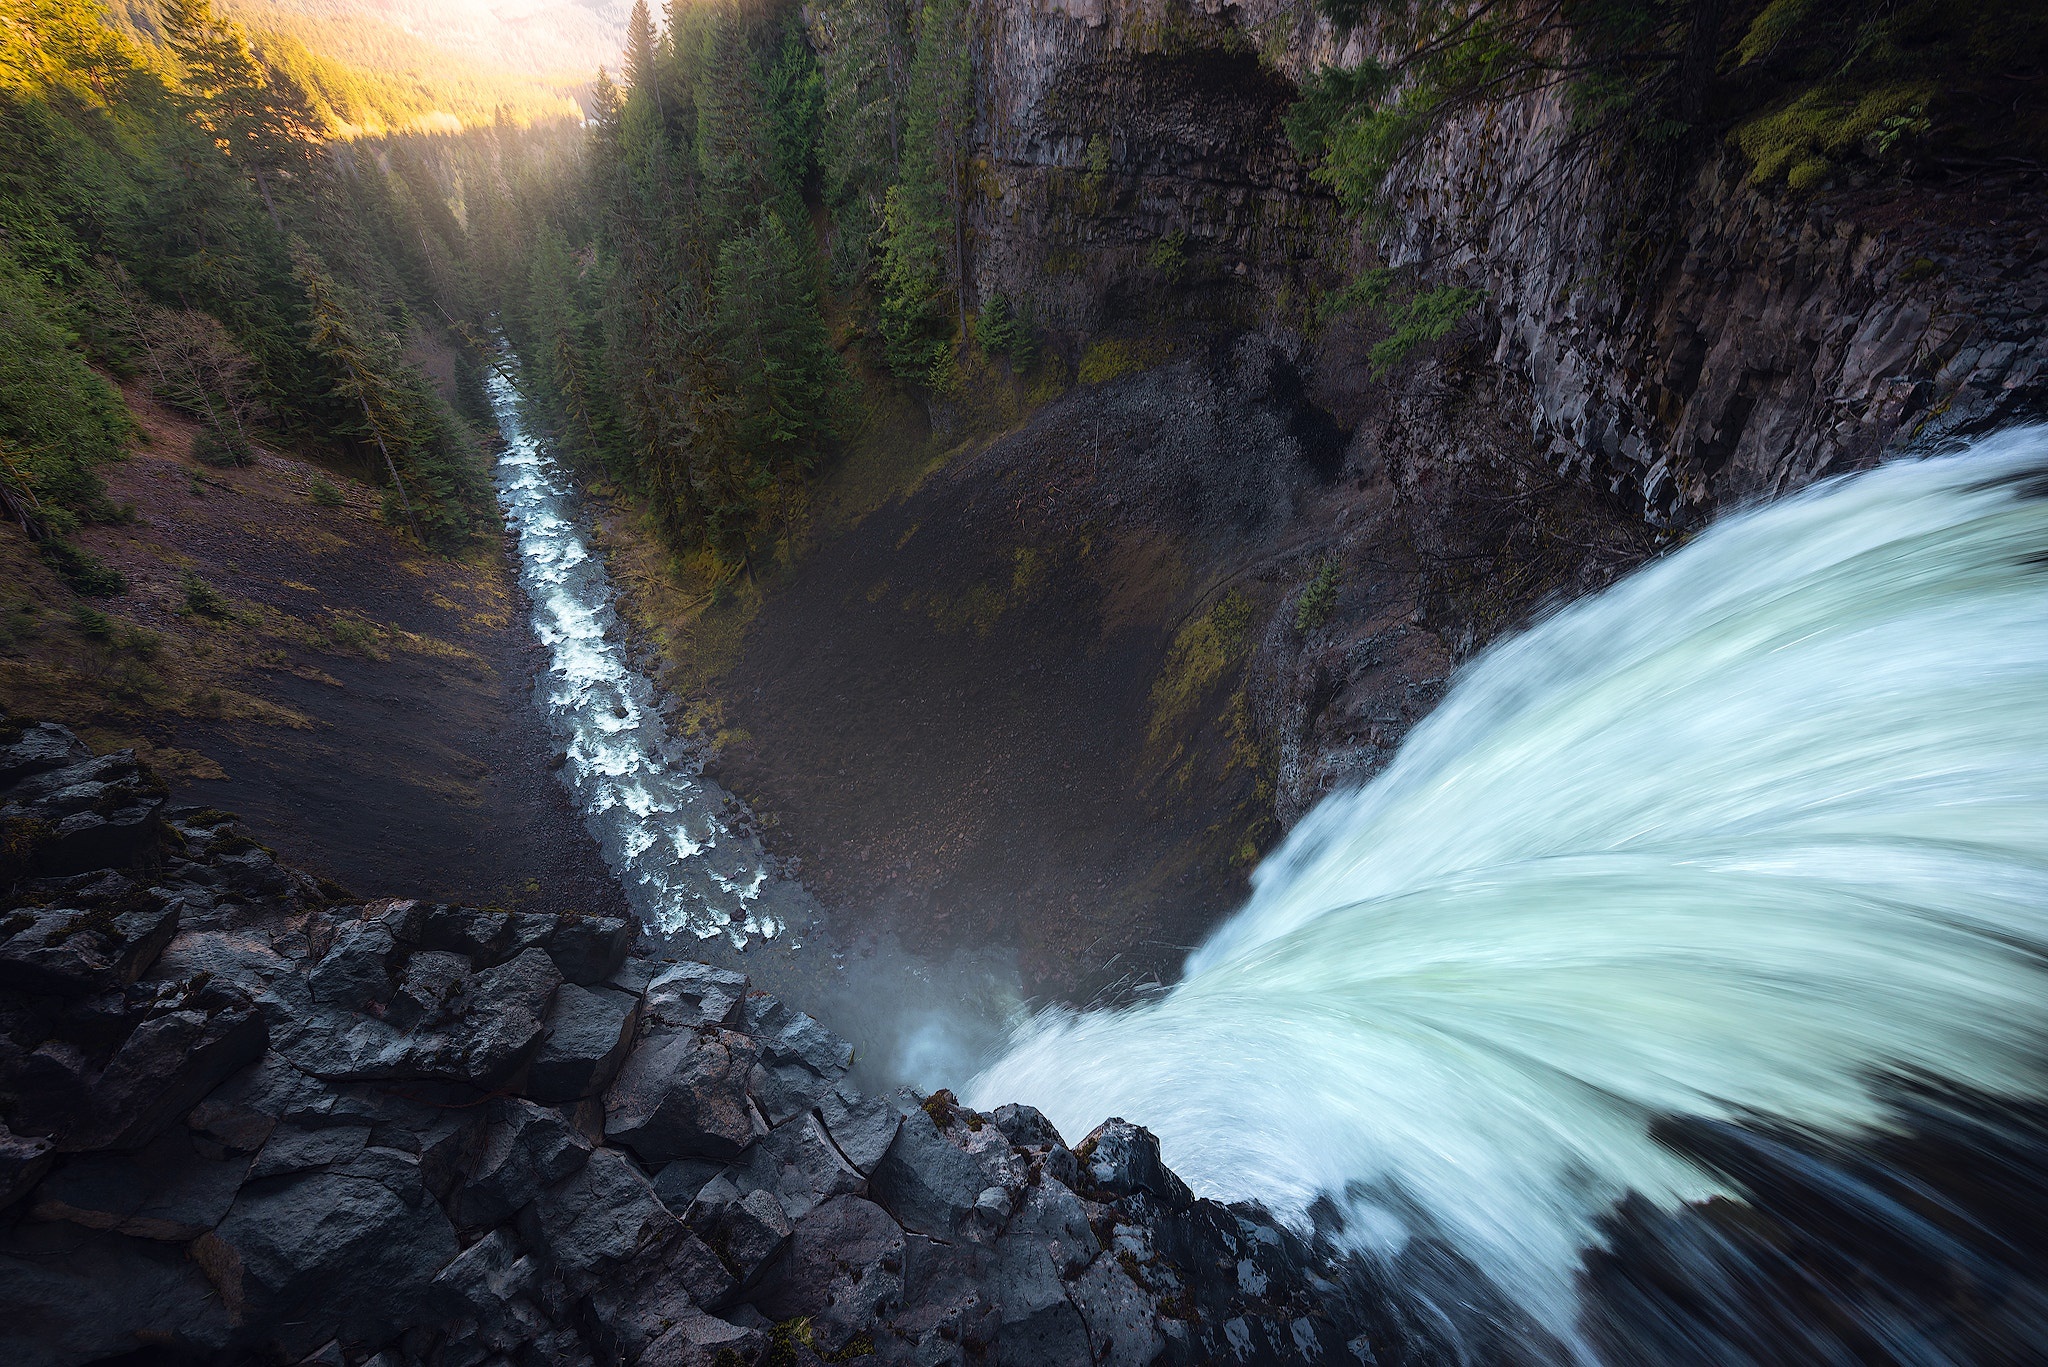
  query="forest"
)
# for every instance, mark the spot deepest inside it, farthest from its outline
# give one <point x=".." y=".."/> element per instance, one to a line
<point x="183" y="215"/>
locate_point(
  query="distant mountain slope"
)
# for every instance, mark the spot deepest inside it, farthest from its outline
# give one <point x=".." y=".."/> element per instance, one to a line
<point x="378" y="66"/>
<point x="562" y="39"/>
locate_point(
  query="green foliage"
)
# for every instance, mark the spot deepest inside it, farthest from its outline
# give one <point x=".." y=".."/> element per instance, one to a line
<point x="1169" y="255"/>
<point x="201" y="599"/>
<point x="1428" y="316"/>
<point x="1869" y="87"/>
<point x="323" y="493"/>
<point x="148" y="202"/>
<point x="782" y="371"/>
<point x="920" y="215"/>
<point x="1319" y="597"/>
<point x="82" y="570"/>
<point x="1003" y="329"/>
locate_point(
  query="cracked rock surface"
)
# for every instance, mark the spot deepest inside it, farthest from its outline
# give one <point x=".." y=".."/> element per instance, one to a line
<point x="247" y="1120"/>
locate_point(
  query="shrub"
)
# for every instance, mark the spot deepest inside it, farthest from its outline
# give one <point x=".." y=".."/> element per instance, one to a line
<point x="324" y="494"/>
<point x="1319" y="599"/>
<point x="201" y="598"/>
<point x="222" y="450"/>
<point x="83" y="571"/>
<point x="1169" y="255"/>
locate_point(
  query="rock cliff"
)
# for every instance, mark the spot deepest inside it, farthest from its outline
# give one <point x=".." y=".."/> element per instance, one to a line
<point x="1656" y="343"/>
<point x="249" y="1120"/>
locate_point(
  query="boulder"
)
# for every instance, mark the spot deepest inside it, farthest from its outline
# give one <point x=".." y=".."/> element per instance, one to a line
<point x="41" y="747"/>
<point x="701" y="1340"/>
<point x="678" y="1183"/>
<point x="926" y="1183"/>
<point x="188" y="1046"/>
<point x="599" y="1218"/>
<point x="75" y="1296"/>
<point x="628" y="1313"/>
<point x="787" y="1090"/>
<point x="799" y="1165"/>
<point x="687" y="995"/>
<point x="1053" y="1219"/>
<point x="843" y="1265"/>
<point x="168" y="1191"/>
<point x="749" y="1233"/>
<point x="526" y="1149"/>
<point x="862" y="1128"/>
<point x="488" y="1284"/>
<point x="355" y="972"/>
<point x="588" y="949"/>
<point x="65" y="952"/>
<point x="1026" y="1127"/>
<point x="294" y="1148"/>
<point x="683" y="1093"/>
<point x="1122" y="1159"/>
<point x="793" y="1037"/>
<point x="300" y="1260"/>
<point x="1119" y="1315"/>
<point x="480" y="1034"/>
<point x="587" y="1035"/>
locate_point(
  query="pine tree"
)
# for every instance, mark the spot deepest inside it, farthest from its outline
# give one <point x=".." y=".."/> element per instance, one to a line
<point x="782" y="369"/>
<point x="923" y="245"/>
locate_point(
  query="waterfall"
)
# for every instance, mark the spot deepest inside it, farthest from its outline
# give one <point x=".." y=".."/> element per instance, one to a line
<point x="1752" y="839"/>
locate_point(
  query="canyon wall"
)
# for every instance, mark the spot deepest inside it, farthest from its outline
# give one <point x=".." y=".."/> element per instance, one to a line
<point x="1685" y="345"/>
<point x="1659" y="339"/>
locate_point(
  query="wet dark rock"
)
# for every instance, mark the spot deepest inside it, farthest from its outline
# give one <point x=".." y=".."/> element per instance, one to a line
<point x="1119" y="1314"/>
<point x="257" y="1128"/>
<point x="685" y="995"/>
<point x="843" y="1266"/>
<point x="598" y="1219"/>
<point x="589" y="1031"/>
<point x="526" y="1149"/>
<point x="321" y="1255"/>
<point x="1123" y="1160"/>
<point x="929" y="1185"/>
<point x="683" y="1093"/>
<point x="1026" y="1127"/>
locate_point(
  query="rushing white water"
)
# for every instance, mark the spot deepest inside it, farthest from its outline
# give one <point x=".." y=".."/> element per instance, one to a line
<point x="1731" y="840"/>
<point x="644" y="799"/>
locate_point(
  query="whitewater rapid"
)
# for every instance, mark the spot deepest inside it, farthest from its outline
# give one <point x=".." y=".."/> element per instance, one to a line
<point x="1737" y="839"/>
<point x="658" y="821"/>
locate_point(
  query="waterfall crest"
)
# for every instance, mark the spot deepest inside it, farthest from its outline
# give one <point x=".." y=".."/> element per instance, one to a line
<point x="1735" y="840"/>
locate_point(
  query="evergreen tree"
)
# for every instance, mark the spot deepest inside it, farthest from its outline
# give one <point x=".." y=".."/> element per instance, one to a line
<point x="922" y="272"/>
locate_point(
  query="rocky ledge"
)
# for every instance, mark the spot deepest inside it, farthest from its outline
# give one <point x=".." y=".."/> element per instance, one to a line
<point x="247" y="1119"/>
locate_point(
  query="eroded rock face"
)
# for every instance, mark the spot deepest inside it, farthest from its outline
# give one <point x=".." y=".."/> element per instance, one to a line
<point x="245" y="1123"/>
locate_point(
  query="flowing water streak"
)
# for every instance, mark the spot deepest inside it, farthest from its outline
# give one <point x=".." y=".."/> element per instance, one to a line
<point x="653" y="814"/>
<point x="1731" y="840"/>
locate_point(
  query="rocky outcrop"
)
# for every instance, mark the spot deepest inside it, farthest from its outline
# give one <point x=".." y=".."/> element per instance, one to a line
<point x="1686" y="342"/>
<point x="247" y="1121"/>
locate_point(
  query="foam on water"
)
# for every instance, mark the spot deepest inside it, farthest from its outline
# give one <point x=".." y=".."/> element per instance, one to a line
<point x="644" y="798"/>
<point x="1758" y="826"/>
